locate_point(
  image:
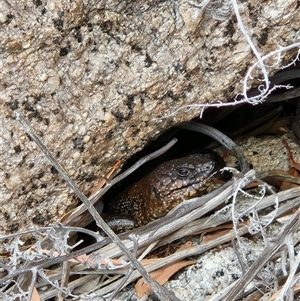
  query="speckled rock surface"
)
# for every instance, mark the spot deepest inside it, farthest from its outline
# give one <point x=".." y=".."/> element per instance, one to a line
<point x="266" y="152"/>
<point x="94" y="78"/>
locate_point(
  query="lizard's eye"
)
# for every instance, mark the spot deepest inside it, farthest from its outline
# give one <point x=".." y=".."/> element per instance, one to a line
<point x="183" y="172"/>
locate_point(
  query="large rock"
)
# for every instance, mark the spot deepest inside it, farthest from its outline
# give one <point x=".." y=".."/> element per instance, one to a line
<point x="96" y="80"/>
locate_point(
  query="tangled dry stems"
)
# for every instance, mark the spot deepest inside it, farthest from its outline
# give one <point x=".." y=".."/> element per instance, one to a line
<point x="26" y="269"/>
<point x="34" y="260"/>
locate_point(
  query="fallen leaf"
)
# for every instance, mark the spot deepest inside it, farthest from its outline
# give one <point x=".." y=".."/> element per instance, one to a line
<point x="142" y="288"/>
<point x="216" y="235"/>
<point x="251" y="185"/>
<point x="35" y="295"/>
<point x="185" y="246"/>
<point x="162" y="275"/>
<point x="220" y="231"/>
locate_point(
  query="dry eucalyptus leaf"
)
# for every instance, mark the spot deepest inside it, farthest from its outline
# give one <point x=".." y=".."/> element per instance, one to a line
<point x="162" y="275"/>
<point x="35" y="295"/>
